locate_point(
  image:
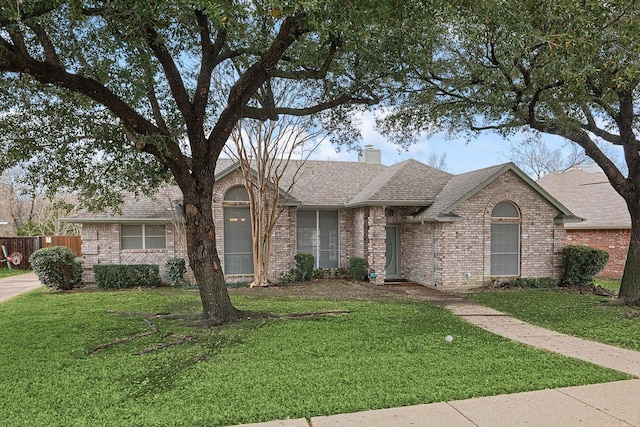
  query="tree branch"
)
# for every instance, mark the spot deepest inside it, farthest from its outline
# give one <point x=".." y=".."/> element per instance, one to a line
<point x="50" y="53"/>
<point x="592" y="127"/>
<point x="252" y="79"/>
<point x="312" y="74"/>
<point x="269" y="114"/>
<point x="174" y="78"/>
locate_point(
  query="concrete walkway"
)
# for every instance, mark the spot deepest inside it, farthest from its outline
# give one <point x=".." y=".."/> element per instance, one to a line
<point x="17" y="285"/>
<point x="609" y="404"/>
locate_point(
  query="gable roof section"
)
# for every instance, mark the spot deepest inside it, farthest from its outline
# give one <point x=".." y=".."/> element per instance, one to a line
<point x="408" y="183"/>
<point x="288" y="199"/>
<point x="589" y="195"/>
<point x="464" y="186"/>
<point x="159" y="209"/>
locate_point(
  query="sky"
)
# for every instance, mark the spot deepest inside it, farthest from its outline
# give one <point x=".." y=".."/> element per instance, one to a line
<point x="461" y="155"/>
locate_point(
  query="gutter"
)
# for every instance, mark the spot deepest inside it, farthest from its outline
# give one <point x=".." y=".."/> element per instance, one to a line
<point x="121" y="220"/>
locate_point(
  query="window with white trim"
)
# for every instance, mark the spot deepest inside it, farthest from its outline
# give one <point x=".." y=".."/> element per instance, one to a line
<point x="505" y="240"/>
<point x="143" y="236"/>
<point x="317" y="234"/>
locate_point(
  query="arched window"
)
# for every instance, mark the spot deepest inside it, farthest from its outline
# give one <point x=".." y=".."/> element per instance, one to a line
<point x="238" y="244"/>
<point x="236" y="194"/>
<point x="505" y="240"/>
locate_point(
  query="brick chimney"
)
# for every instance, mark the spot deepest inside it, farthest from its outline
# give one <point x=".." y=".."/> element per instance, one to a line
<point x="370" y="155"/>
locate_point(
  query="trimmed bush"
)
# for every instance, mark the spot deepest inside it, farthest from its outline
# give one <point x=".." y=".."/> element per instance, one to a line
<point x="57" y="267"/>
<point x="581" y="264"/>
<point x="305" y="264"/>
<point x="175" y="271"/>
<point x="357" y="268"/>
<point x="123" y="276"/>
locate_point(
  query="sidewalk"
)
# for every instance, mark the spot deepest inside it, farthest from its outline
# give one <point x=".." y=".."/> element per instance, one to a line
<point x="609" y="404"/>
<point x="17" y="285"/>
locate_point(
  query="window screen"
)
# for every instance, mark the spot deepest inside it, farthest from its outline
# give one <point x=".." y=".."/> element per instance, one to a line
<point x="238" y="244"/>
<point x="505" y="240"/>
<point x="505" y="210"/>
<point x="317" y="234"/>
<point x="237" y="194"/>
<point x="141" y="236"/>
<point x="505" y="249"/>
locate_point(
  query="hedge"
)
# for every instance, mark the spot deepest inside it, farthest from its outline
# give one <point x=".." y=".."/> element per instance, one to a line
<point x="122" y="276"/>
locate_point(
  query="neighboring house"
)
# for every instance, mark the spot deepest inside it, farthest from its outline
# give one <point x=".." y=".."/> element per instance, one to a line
<point x="6" y="223"/>
<point x="607" y="225"/>
<point x="408" y="221"/>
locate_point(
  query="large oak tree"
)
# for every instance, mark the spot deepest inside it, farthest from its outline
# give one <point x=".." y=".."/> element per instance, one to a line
<point x="557" y="67"/>
<point x="101" y="96"/>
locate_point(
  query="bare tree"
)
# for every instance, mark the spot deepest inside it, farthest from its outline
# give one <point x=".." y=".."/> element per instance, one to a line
<point x="265" y="151"/>
<point x="537" y="159"/>
<point x="438" y="161"/>
<point x="31" y="210"/>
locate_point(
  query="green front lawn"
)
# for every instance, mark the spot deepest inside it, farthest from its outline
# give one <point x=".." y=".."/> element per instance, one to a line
<point x="579" y="315"/>
<point x="382" y="354"/>
<point x="5" y="272"/>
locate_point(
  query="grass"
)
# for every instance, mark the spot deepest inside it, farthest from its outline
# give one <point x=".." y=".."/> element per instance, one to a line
<point x="381" y="354"/>
<point x="5" y="272"/>
<point x="579" y="315"/>
<point x="610" y="284"/>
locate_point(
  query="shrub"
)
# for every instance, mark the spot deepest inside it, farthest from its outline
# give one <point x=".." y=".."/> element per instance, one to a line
<point x="304" y="267"/>
<point x="175" y="270"/>
<point x="357" y="268"/>
<point x="122" y="276"/>
<point x="288" y="276"/>
<point x="57" y="267"/>
<point x="527" y="283"/>
<point x="581" y="264"/>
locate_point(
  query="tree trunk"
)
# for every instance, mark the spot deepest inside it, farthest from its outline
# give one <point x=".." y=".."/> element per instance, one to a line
<point x="203" y="255"/>
<point x="630" y="285"/>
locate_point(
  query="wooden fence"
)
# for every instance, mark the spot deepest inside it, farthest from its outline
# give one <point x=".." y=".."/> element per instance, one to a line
<point x="28" y="245"/>
<point x="72" y="242"/>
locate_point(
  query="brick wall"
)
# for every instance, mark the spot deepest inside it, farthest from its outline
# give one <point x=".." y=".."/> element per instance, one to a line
<point x="615" y="242"/>
<point x="463" y="249"/>
<point x="101" y="245"/>
<point x="417" y="256"/>
<point x="376" y="242"/>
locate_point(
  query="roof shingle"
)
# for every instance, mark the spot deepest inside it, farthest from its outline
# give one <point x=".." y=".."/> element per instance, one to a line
<point x="590" y="196"/>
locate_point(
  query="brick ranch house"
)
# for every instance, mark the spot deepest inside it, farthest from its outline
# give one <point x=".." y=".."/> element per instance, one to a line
<point x="408" y="221"/>
<point x="607" y="225"/>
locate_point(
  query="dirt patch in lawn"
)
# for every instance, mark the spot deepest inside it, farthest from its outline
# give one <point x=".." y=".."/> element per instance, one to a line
<point x="329" y="289"/>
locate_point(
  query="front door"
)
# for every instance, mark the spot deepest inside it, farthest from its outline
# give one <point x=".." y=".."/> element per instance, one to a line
<point x="392" y="266"/>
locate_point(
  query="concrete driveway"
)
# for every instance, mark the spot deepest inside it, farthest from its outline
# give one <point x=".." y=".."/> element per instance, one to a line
<point x="16" y="285"/>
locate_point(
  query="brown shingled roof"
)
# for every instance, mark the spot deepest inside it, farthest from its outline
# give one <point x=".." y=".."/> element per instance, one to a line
<point x="342" y="184"/>
<point x="330" y="183"/>
<point x="160" y="208"/>
<point x="589" y="195"/>
<point x="408" y="183"/>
